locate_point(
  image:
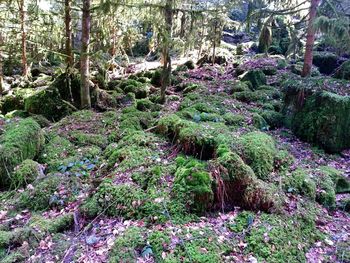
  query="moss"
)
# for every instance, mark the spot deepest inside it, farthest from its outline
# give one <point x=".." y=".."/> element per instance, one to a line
<point x="281" y="238"/>
<point x="283" y="160"/>
<point x="83" y="139"/>
<point x="47" y="102"/>
<point x="342" y="183"/>
<point x="128" y="246"/>
<point x="127" y="200"/>
<point x="133" y="119"/>
<point x="255" y="77"/>
<point x="20" y="141"/>
<point x="147" y="105"/>
<point x="261" y="95"/>
<point x="156" y="78"/>
<point x="274" y="119"/>
<point x="14" y="101"/>
<point x="345" y="205"/>
<point x="323" y="120"/>
<point x="244" y="220"/>
<point x="41" y="195"/>
<point x="259" y="151"/>
<point x="325" y="190"/>
<point x="54" y="225"/>
<point x="193" y="182"/>
<point x="343" y="253"/>
<point x="234" y="119"/>
<point x="259" y="122"/>
<point x="238" y="86"/>
<point x="325" y="61"/>
<point x="16" y="113"/>
<point x="14" y="257"/>
<point x="55" y="151"/>
<point x="240" y="184"/>
<point x="300" y="182"/>
<point x="190" y="87"/>
<point x="25" y="173"/>
<point x="343" y="72"/>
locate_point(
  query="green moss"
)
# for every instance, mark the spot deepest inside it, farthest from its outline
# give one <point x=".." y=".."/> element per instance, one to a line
<point x="255" y="77"/>
<point x="156" y="78"/>
<point x="274" y="119"/>
<point x="300" y="182"/>
<point x="47" y="102"/>
<point x="25" y="173"/>
<point x="242" y="222"/>
<point x="20" y="141"/>
<point x="54" y="225"/>
<point x="41" y="196"/>
<point x="83" y="139"/>
<point x="342" y="184"/>
<point x="259" y="151"/>
<point x="55" y="151"/>
<point x="323" y="120"/>
<point x="281" y="238"/>
<point x="147" y="105"/>
<point x="128" y="246"/>
<point x="234" y="119"/>
<point x="343" y="72"/>
<point x="14" y="257"/>
<point x="260" y="95"/>
<point x="238" y="86"/>
<point x="325" y="190"/>
<point x="283" y="160"/>
<point x="193" y="182"/>
<point x="259" y="122"/>
<point x="17" y="113"/>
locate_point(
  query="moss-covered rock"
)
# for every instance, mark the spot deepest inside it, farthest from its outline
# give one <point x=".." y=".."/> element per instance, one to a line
<point x="156" y="78"/>
<point x="53" y="225"/>
<point x="325" y="61"/>
<point x="259" y="122"/>
<point x="15" y="100"/>
<point x="194" y="184"/>
<point x="323" y="120"/>
<point x="47" y="102"/>
<point x="274" y="119"/>
<point x="344" y="71"/>
<point x="20" y="141"/>
<point x="256" y="77"/>
<point x="25" y="173"/>
<point x="300" y="182"/>
<point x="259" y="151"/>
<point x="342" y="183"/>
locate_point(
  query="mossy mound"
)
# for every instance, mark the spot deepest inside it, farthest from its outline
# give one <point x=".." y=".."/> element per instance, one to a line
<point x="236" y="184"/>
<point x="88" y="128"/>
<point x="194" y="184"/>
<point x="263" y="94"/>
<point x="256" y="77"/>
<point x="323" y="120"/>
<point x="259" y="151"/>
<point x="15" y="100"/>
<point x="21" y="140"/>
<point x="141" y="90"/>
<point x="47" y="102"/>
<point x="325" y="61"/>
<point x="344" y="71"/>
<point x="26" y="173"/>
<point x="300" y="182"/>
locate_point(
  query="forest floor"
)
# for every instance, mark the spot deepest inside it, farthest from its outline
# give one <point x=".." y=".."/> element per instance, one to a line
<point x="218" y="236"/>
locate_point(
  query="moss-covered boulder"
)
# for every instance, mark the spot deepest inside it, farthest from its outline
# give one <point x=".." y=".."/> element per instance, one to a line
<point x="14" y="100"/>
<point x="47" y="102"/>
<point x="256" y="77"/>
<point x="343" y="72"/>
<point x="325" y="61"/>
<point x="21" y="140"/>
<point x="25" y="173"/>
<point x="300" y="182"/>
<point x="259" y="151"/>
<point x="323" y="119"/>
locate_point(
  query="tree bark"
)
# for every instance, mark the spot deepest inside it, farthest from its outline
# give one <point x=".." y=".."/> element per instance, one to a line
<point x="166" y="73"/>
<point x="84" y="56"/>
<point x="22" y="12"/>
<point x="68" y="33"/>
<point x="310" y="39"/>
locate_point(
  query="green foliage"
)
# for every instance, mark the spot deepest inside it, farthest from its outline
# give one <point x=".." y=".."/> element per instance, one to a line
<point x="283" y="160"/>
<point x="300" y="182"/>
<point x="234" y="119"/>
<point x="343" y="72"/>
<point x="342" y="183"/>
<point x="259" y="122"/>
<point x="156" y="78"/>
<point x="259" y="151"/>
<point x="21" y="140"/>
<point x="274" y="119"/>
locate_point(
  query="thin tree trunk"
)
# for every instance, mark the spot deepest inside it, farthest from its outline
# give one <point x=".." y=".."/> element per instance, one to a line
<point x="68" y="25"/>
<point x="310" y="39"/>
<point x="84" y="56"/>
<point x="166" y="73"/>
<point x="24" y="38"/>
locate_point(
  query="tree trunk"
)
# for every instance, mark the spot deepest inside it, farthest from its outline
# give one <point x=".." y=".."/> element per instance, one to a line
<point x="166" y="73"/>
<point x="24" y="38"/>
<point x="310" y="39"/>
<point x="84" y="56"/>
<point x="68" y="25"/>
